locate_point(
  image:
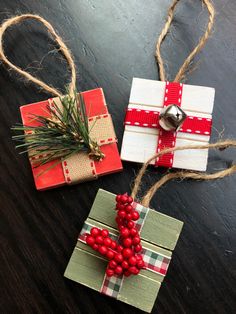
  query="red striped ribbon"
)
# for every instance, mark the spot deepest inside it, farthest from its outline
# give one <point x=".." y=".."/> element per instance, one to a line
<point x="167" y="139"/>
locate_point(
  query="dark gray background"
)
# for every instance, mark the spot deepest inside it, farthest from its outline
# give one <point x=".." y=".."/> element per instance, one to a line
<point x="112" y="41"/>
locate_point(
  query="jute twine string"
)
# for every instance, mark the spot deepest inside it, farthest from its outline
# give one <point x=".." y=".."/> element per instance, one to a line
<point x="178" y="78"/>
<point x="67" y="54"/>
<point x="183" y="69"/>
<point x="62" y="47"/>
<point x="221" y="145"/>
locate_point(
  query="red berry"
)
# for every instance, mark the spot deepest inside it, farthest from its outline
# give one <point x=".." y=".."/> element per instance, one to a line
<point x="113" y="245"/>
<point x="110" y="254"/>
<point x="130" y="224"/>
<point x="128" y="216"/>
<point x="135" y="215"/>
<point x="102" y="250"/>
<point x="99" y="240"/>
<point x="125" y="265"/>
<point x="104" y="233"/>
<point x="112" y="264"/>
<point x="138" y="257"/>
<point x="133" y="270"/>
<point x="109" y="272"/>
<point x="119" y="220"/>
<point x="118" y="270"/>
<point x="94" y="232"/>
<point x="124" y="232"/>
<point x="138" y="248"/>
<point x="118" y="196"/>
<point x="90" y="240"/>
<point x="95" y="247"/>
<point x="140" y="264"/>
<point x="133" y="231"/>
<point x="136" y="240"/>
<point x="121" y="213"/>
<point x="119" y="248"/>
<point x="124" y="198"/>
<point x="127" y="242"/>
<point x="127" y="253"/>
<point x="120" y="227"/>
<point x="118" y="258"/>
<point x="130" y="199"/>
<point x="120" y="206"/>
<point x="107" y="242"/>
<point x="128" y="208"/>
<point x="132" y="260"/>
<point x="127" y="273"/>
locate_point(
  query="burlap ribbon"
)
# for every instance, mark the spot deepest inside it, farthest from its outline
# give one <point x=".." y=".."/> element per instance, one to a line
<point x="79" y="167"/>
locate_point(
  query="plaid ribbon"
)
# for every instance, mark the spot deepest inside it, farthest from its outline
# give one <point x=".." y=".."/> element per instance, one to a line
<point x="111" y="285"/>
<point x="142" y="215"/>
<point x="155" y="262"/>
<point x="86" y="229"/>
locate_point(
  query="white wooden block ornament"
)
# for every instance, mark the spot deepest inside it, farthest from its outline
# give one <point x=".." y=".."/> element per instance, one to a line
<point x="143" y="136"/>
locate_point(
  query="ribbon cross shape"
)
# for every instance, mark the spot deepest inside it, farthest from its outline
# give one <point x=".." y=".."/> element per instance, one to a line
<point x="80" y="167"/>
<point x="167" y="139"/>
<point x="155" y="262"/>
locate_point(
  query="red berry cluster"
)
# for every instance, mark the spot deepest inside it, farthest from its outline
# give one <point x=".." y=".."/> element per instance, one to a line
<point x="100" y="241"/>
<point x="123" y="258"/>
<point x="126" y="215"/>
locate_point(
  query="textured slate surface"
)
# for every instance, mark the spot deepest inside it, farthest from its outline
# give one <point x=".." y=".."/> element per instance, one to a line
<point x="112" y="41"/>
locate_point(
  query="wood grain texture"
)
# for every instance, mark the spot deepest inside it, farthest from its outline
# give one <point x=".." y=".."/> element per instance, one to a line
<point x="157" y="229"/>
<point x="140" y="143"/>
<point x="114" y="41"/>
<point x="85" y="265"/>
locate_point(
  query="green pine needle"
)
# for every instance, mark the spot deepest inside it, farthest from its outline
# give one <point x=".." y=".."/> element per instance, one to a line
<point x="64" y="133"/>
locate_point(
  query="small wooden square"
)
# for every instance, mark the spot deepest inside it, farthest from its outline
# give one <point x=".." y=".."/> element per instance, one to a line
<point x="140" y="143"/>
<point x="159" y="235"/>
<point x="46" y="177"/>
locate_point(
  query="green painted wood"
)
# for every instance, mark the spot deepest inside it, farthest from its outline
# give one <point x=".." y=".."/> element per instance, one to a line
<point x="139" y="292"/>
<point x="161" y="230"/>
<point x="89" y="270"/>
<point x="86" y="269"/>
<point x="154" y="248"/>
<point x="158" y="228"/>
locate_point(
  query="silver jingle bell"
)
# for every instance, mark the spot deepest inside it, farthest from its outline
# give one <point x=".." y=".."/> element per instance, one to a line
<point x="171" y="118"/>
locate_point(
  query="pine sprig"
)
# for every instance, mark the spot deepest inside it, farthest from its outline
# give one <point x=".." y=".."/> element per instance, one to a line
<point x="63" y="133"/>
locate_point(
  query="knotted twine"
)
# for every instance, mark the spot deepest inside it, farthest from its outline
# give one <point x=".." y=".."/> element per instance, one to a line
<point x="221" y="145"/>
<point x="102" y="131"/>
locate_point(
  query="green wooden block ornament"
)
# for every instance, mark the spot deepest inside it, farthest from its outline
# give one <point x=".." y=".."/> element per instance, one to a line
<point x="159" y="235"/>
<point x="124" y="248"/>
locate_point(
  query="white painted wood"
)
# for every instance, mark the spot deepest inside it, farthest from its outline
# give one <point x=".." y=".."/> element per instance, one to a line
<point x="147" y="92"/>
<point x="139" y="144"/>
<point x="138" y="147"/>
<point x="194" y="98"/>
<point x="195" y="159"/>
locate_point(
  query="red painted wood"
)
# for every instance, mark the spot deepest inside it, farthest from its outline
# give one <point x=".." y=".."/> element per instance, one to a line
<point x="95" y="105"/>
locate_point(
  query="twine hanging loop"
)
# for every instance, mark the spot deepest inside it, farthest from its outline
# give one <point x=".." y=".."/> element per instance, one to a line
<point x="185" y="66"/>
<point x="62" y="47"/>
